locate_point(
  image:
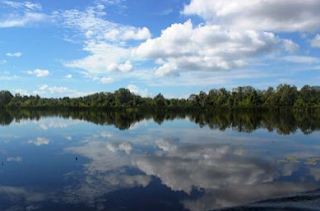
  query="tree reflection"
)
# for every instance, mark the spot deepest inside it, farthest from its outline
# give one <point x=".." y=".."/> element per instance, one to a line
<point x="284" y="122"/>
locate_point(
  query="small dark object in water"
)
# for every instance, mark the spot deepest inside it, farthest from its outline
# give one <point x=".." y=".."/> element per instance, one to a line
<point x="76" y="158"/>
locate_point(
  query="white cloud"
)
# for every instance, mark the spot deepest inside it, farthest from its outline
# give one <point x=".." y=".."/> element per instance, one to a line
<point x="26" y="5"/>
<point x="138" y="91"/>
<point x="167" y="69"/>
<point x="25" y="194"/>
<point x="104" y="58"/>
<point x="106" y="134"/>
<point x="315" y="42"/>
<point x="206" y="48"/>
<point x="20" y="14"/>
<point x="39" y="141"/>
<point x="58" y="91"/>
<point x="14" y="20"/>
<point x="106" y="80"/>
<point x="301" y="59"/>
<point x="207" y="166"/>
<point x="140" y="34"/>
<point x="17" y="54"/>
<point x="55" y="124"/>
<point x="290" y="46"/>
<point x="14" y="159"/>
<point x="114" y="147"/>
<point x="102" y="158"/>
<point x="69" y="76"/>
<point x="130" y="34"/>
<point x="22" y="92"/>
<point x="105" y="41"/>
<point x="39" y="73"/>
<point x="126" y="67"/>
<point x="108" y="164"/>
<point x="43" y="87"/>
<point x="268" y="15"/>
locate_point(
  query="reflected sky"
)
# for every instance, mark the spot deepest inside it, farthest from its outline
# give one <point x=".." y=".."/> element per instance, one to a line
<point x="55" y="163"/>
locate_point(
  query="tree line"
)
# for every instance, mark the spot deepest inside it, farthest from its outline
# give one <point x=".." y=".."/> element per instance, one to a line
<point x="242" y="97"/>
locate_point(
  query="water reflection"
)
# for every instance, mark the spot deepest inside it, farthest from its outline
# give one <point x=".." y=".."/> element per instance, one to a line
<point x="282" y="121"/>
<point x="226" y="174"/>
<point x="76" y="165"/>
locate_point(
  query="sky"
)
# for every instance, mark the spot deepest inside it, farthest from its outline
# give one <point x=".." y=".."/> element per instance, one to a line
<point x="174" y="47"/>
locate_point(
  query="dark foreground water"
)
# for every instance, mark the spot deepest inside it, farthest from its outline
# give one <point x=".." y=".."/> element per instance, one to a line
<point x="159" y="161"/>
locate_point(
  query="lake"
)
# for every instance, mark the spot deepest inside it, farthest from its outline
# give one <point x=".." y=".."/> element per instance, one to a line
<point x="86" y="160"/>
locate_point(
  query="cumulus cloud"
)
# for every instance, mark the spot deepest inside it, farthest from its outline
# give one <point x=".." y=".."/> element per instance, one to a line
<point x="106" y="80"/>
<point x="54" y="89"/>
<point x="59" y="90"/>
<point x="43" y="87"/>
<point x="315" y="42"/>
<point x="138" y="91"/>
<point x="290" y="46"/>
<point x="22" y="92"/>
<point x="39" y="141"/>
<point x="105" y="41"/>
<point x="126" y="67"/>
<point x="39" y="73"/>
<point x="211" y="46"/>
<point x="69" y="76"/>
<point x="207" y="48"/>
<point x="17" y="54"/>
<point x="104" y="58"/>
<point x="268" y="15"/>
<point x="138" y="34"/>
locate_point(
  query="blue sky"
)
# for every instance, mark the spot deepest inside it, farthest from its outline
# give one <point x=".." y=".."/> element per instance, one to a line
<point x="176" y="47"/>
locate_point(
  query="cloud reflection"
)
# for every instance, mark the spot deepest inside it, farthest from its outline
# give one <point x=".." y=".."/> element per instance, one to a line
<point x="107" y="171"/>
<point x="226" y="174"/>
<point x="14" y="159"/>
<point x="39" y="141"/>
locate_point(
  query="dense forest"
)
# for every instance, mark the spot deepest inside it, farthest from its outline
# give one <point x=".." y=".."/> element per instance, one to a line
<point x="242" y="97"/>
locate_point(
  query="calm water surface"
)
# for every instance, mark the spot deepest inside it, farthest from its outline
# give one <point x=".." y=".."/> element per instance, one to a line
<point x="133" y="162"/>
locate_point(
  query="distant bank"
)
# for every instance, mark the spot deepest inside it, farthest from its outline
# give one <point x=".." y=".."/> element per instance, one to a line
<point x="242" y="97"/>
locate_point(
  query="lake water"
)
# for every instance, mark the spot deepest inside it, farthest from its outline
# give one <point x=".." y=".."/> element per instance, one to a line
<point x="159" y="161"/>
